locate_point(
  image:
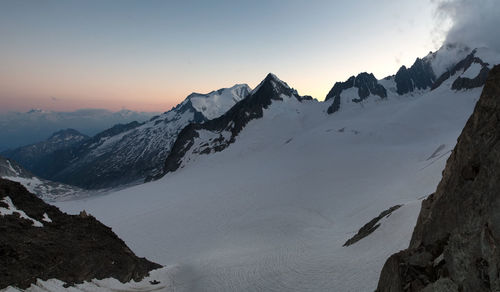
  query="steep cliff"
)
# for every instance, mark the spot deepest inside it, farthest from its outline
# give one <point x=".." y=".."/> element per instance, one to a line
<point x="455" y="244"/>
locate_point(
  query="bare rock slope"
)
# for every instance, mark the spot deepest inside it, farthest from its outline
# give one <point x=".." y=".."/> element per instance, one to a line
<point x="39" y="241"/>
<point x="455" y="245"/>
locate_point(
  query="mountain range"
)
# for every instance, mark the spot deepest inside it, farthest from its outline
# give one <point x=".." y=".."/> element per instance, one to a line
<point x="130" y="153"/>
<point x="23" y="128"/>
<point x="280" y="193"/>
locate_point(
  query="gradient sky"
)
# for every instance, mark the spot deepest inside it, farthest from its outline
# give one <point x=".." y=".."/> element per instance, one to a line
<point x="149" y="55"/>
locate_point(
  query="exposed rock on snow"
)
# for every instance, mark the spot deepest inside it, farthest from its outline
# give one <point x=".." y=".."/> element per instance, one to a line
<point x="366" y="84"/>
<point x="371" y="226"/>
<point x="65" y="247"/>
<point x="419" y="76"/>
<point x="465" y="81"/>
<point x="454" y="246"/>
<point x="467" y="68"/>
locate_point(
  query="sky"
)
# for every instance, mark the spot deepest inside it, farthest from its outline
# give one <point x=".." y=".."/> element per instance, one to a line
<point x="149" y="55"/>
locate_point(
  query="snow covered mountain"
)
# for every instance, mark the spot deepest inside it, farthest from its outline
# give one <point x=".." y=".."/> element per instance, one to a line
<point x="44" y="189"/>
<point x="265" y="197"/>
<point x="217" y="134"/>
<point x="33" y="156"/>
<point x="23" y="128"/>
<point x="465" y="67"/>
<point x="131" y="152"/>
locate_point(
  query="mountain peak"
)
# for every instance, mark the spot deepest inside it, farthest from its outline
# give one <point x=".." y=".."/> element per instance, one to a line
<point x="242" y="87"/>
<point x="215" y="103"/>
<point x="273" y="78"/>
<point x="272" y="82"/>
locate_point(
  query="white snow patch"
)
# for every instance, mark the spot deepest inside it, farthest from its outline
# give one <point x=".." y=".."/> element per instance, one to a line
<point x="29" y="183"/>
<point x="472" y="71"/>
<point x="216" y="103"/>
<point x="11" y="209"/>
<point x="46" y="218"/>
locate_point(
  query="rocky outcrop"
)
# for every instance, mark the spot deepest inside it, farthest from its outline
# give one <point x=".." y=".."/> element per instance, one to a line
<point x="365" y="83"/>
<point x="419" y="76"/>
<point x="455" y="244"/>
<point x="463" y="65"/>
<point x="39" y="241"/>
<point x="371" y="226"/>
<point x="469" y="83"/>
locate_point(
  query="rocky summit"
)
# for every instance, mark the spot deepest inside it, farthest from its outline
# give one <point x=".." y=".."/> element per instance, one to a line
<point x="454" y="246"/>
<point x="40" y="242"/>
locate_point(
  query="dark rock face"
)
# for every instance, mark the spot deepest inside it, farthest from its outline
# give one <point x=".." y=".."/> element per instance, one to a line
<point x="454" y="246"/>
<point x="71" y="248"/>
<point x="233" y="121"/>
<point x="366" y="84"/>
<point x="468" y="83"/>
<point x="464" y="83"/>
<point x="371" y="226"/>
<point x="419" y="76"/>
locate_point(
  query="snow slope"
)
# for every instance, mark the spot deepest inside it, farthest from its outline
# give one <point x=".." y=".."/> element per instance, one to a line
<point x="216" y="103"/>
<point x="272" y="210"/>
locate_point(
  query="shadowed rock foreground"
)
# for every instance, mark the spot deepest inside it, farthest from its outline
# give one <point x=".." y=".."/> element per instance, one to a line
<point x="39" y="241"/>
<point x="455" y="245"/>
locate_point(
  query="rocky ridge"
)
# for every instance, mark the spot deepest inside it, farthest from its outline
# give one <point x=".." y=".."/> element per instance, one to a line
<point x="421" y="76"/>
<point x="454" y="246"/>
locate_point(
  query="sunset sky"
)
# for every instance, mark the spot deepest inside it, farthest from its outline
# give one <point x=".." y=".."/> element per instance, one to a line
<point x="149" y="55"/>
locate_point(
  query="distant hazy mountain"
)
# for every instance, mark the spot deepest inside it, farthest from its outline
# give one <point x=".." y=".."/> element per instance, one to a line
<point x="127" y="152"/>
<point x="33" y="156"/>
<point x="23" y="128"/>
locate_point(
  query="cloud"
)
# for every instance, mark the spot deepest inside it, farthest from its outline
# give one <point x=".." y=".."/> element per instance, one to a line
<point x="474" y="23"/>
<point x="54" y="99"/>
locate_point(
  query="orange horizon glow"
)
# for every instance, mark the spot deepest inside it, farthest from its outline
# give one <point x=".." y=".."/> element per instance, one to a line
<point x="66" y="56"/>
